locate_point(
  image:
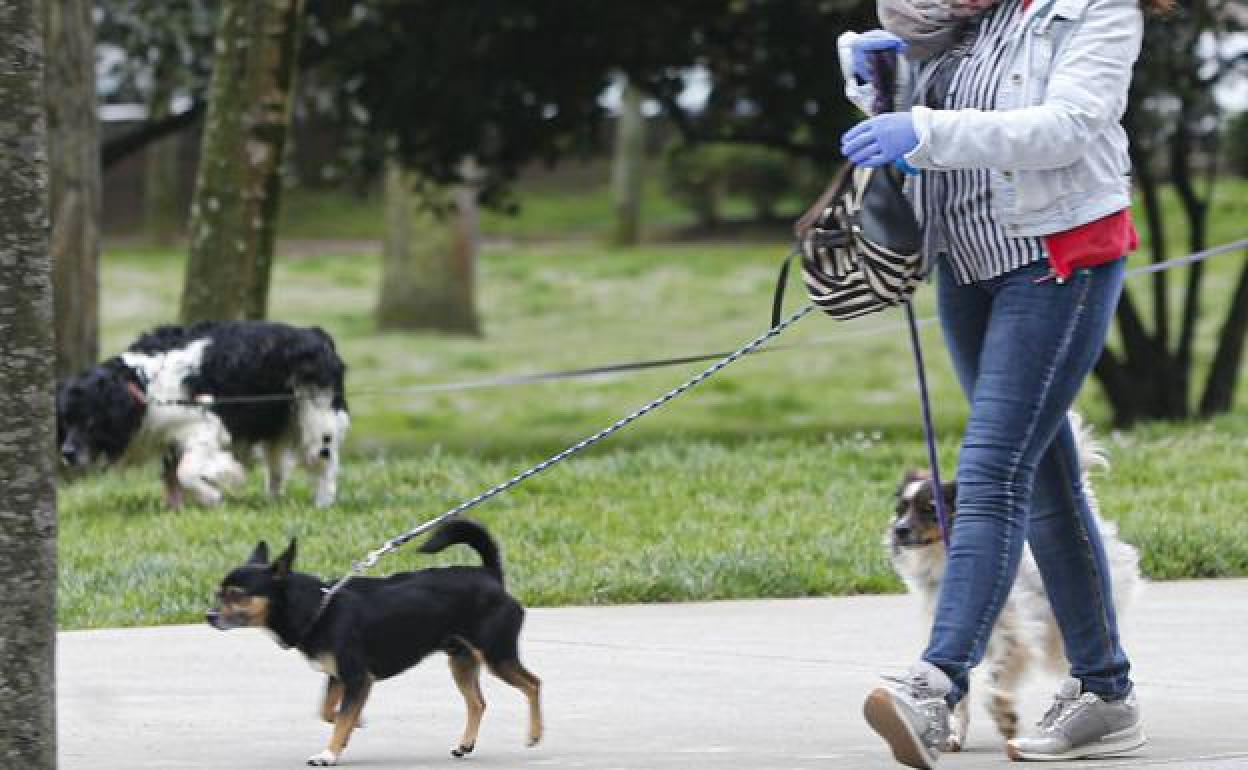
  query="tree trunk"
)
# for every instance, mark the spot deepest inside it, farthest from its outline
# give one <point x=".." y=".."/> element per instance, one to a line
<point x="428" y="264"/>
<point x="27" y="497"/>
<point x="74" y="183"/>
<point x="1196" y="211"/>
<point x="237" y="191"/>
<point x="163" y="207"/>
<point x="1219" y="395"/>
<point x="626" y="171"/>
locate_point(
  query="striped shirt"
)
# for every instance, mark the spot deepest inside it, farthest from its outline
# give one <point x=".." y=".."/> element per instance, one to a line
<point x="958" y="220"/>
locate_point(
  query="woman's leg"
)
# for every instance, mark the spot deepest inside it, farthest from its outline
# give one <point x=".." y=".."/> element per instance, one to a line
<point x="1066" y="543"/>
<point x="1041" y="340"/>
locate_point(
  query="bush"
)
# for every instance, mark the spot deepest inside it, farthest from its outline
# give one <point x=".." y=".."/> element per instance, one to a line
<point x="699" y="176"/>
<point x="694" y="177"/>
<point x="1236" y="143"/>
<point x="760" y="174"/>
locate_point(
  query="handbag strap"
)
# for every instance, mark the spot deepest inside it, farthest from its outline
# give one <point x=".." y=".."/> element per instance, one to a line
<point x="801" y="229"/>
<point x="840" y="183"/>
<point x="777" y="300"/>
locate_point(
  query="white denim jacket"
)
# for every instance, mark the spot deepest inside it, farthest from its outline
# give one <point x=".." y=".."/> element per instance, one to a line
<point x="1054" y="145"/>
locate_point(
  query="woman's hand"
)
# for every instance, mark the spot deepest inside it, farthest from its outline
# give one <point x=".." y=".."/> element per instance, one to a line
<point x="880" y="140"/>
<point x="874" y="40"/>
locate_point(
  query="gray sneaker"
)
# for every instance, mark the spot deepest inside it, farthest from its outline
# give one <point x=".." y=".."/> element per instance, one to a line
<point x="1079" y="725"/>
<point x="910" y="714"/>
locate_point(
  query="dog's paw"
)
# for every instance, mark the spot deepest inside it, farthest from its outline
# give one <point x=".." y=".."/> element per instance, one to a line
<point x="953" y="744"/>
<point x="208" y="496"/>
<point x="326" y="758"/>
<point x="462" y="751"/>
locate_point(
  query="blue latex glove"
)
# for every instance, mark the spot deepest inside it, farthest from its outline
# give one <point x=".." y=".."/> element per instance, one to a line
<point x="880" y="140"/>
<point x="874" y="40"/>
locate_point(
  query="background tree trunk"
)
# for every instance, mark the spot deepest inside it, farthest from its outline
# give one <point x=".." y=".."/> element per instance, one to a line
<point x="1219" y="395"/>
<point x="74" y="184"/>
<point x="428" y="261"/>
<point x="163" y="206"/>
<point x="27" y="497"/>
<point x="626" y="170"/>
<point x="237" y="192"/>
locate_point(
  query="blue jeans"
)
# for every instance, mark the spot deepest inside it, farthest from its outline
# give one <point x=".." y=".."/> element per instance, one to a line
<point x="1022" y="350"/>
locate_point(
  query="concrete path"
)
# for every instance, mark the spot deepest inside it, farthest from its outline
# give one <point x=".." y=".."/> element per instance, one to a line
<point x="741" y="685"/>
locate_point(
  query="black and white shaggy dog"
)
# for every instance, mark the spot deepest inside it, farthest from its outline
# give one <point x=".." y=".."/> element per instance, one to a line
<point x="1026" y="635"/>
<point x="187" y="394"/>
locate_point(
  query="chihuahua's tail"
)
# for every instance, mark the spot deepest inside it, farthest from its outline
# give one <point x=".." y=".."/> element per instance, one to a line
<point x="470" y="534"/>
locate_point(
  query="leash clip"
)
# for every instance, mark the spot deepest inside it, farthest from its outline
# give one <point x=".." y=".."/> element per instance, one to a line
<point x="373" y="557"/>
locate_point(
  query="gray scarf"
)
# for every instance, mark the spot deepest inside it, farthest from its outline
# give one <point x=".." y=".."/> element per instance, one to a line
<point x="928" y="26"/>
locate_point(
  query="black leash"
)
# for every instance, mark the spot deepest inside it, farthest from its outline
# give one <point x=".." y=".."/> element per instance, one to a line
<point x="929" y="429"/>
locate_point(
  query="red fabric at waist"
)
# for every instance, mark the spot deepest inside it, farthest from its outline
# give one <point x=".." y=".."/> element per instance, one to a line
<point x="1095" y="243"/>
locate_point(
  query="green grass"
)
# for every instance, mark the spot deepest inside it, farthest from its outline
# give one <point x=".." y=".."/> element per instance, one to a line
<point x="772" y="479"/>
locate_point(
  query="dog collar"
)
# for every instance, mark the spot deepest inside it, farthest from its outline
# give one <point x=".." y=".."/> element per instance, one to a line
<point x="137" y="393"/>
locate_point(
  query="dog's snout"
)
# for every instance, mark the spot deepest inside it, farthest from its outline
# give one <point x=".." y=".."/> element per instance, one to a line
<point x="325" y="453"/>
<point x="222" y="621"/>
<point x="901" y="531"/>
<point x="69" y="454"/>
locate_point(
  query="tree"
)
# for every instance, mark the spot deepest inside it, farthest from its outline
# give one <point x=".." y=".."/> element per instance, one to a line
<point x="163" y="208"/>
<point x="1173" y="123"/>
<point x="626" y="171"/>
<point x="238" y="189"/>
<point x="27" y="496"/>
<point x="162" y="47"/>
<point x="406" y="68"/>
<point x="74" y="187"/>
<point x="1237" y="144"/>
<point x="429" y="255"/>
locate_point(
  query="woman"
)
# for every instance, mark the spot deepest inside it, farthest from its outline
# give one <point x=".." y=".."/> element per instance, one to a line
<point x="1024" y="190"/>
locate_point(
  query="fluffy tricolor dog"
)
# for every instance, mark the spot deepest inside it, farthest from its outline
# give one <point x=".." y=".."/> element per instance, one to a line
<point x="208" y="397"/>
<point x="376" y="628"/>
<point x="1026" y="633"/>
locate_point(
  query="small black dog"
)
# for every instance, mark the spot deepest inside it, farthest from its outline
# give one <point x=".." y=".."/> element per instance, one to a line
<point x="378" y="627"/>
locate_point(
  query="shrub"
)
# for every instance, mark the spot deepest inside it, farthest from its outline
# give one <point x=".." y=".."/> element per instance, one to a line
<point x="692" y="175"/>
<point x="762" y="175"/>
<point x="699" y="176"/>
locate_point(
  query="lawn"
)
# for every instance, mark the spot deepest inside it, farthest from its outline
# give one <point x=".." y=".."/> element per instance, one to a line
<point x="772" y="479"/>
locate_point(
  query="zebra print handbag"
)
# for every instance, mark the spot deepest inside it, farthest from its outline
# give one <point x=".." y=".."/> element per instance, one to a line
<point x="860" y="245"/>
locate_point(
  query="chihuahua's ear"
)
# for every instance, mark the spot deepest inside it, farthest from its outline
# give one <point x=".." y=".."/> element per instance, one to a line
<point x="912" y="475"/>
<point x="260" y="555"/>
<point x="282" y="565"/>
